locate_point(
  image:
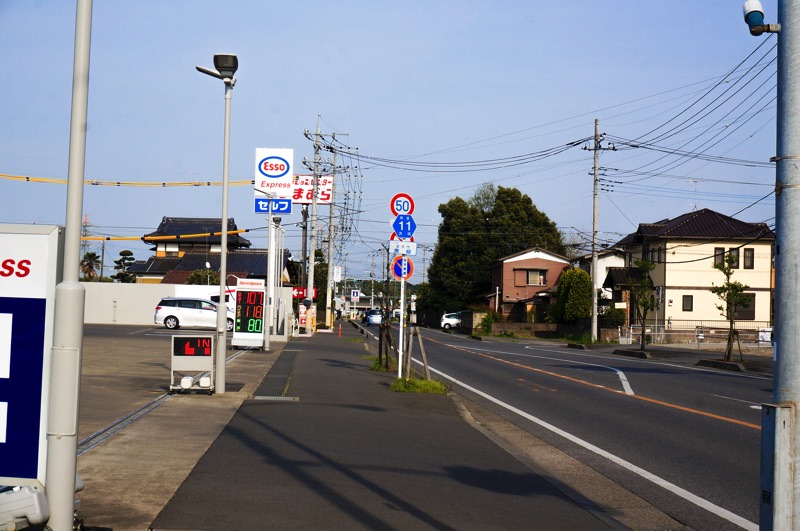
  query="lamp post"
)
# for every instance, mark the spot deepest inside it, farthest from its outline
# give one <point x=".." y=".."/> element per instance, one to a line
<point x="226" y="65"/>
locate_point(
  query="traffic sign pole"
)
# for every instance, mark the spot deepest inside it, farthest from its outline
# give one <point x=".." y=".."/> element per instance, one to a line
<point x="402" y="322"/>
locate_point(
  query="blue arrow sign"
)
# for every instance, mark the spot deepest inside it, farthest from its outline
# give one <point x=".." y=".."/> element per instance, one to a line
<point x="404" y="226"/>
<point x="279" y="205"/>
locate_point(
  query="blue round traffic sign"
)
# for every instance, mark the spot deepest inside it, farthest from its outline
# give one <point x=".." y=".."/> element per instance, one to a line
<point x="398" y="271"/>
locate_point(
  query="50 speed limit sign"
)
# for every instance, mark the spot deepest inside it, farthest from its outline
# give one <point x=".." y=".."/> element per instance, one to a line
<point x="402" y="203"/>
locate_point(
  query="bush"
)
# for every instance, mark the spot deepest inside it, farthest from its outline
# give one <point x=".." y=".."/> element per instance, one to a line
<point x="486" y="323"/>
<point x="612" y="318"/>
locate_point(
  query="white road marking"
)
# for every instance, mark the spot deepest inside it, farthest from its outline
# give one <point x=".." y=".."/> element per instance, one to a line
<point x="661" y="482"/>
<point x="626" y="386"/>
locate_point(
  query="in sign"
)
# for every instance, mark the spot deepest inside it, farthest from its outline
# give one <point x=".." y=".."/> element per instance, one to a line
<point x="402" y="203"/>
<point x="273" y="167"/>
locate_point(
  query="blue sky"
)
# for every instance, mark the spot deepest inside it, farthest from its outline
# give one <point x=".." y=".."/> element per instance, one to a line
<point x="429" y="82"/>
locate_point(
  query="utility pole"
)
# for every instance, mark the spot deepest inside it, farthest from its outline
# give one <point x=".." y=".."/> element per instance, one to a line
<point x="331" y="234"/>
<point x="598" y="138"/>
<point x="311" y="240"/>
<point x="780" y="428"/>
<point x="304" y="251"/>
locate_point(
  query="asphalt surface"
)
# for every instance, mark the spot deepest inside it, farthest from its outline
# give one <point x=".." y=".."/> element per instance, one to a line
<point x="307" y="436"/>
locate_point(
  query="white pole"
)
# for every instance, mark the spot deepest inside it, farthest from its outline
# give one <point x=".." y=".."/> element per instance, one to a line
<point x="62" y="422"/>
<point x="270" y="271"/>
<point x="222" y="309"/>
<point x="402" y="334"/>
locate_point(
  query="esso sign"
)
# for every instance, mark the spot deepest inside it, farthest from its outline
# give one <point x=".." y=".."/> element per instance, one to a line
<point x="402" y="203"/>
<point x="15" y="268"/>
<point x="273" y="172"/>
<point x="274" y="167"/>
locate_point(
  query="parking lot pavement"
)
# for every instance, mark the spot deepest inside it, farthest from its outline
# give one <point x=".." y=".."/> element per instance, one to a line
<point x="131" y="476"/>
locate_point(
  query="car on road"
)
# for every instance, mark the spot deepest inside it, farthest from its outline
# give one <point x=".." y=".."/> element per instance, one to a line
<point x="451" y="320"/>
<point x="175" y="312"/>
<point x="374" y="316"/>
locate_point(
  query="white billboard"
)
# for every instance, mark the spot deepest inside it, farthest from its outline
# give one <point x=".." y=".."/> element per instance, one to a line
<point x="274" y="172"/>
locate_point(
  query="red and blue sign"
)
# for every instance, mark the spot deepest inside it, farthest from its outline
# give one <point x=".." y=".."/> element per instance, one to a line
<point x="402" y="267"/>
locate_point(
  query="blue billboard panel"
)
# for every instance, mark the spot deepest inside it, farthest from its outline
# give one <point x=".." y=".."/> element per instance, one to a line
<point x="21" y="385"/>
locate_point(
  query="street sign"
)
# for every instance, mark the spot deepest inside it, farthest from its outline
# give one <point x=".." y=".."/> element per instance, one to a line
<point x="279" y="205"/>
<point x="402" y="268"/>
<point x="274" y="172"/>
<point x="403" y="247"/>
<point x="402" y="203"/>
<point x="303" y="189"/>
<point x="355" y="293"/>
<point x="404" y="226"/>
<point x="299" y="292"/>
<point x="29" y="272"/>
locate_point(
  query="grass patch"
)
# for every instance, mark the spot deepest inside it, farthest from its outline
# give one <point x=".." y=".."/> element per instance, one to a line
<point x="412" y="385"/>
<point x="376" y="364"/>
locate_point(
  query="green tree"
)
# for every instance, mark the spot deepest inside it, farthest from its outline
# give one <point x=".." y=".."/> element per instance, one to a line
<point x="733" y="296"/>
<point x="125" y="260"/>
<point x="459" y="267"/>
<point x="475" y="233"/>
<point x="574" y="296"/>
<point x="642" y="292"/>
<point x="89" y="265"/>
<point x="203" y="277"/>
<point x="515" y="224"/>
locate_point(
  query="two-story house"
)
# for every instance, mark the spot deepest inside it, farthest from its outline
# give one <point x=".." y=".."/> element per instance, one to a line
<point x="524" y="283"/>
<point x="683" y="251"/>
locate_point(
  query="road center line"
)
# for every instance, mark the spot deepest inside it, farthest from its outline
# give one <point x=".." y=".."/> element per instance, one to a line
<point x="590" y="384"/>
<point x="686" y="495"/>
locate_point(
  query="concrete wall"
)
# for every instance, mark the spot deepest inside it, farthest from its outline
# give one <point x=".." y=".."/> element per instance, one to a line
<point x="133" y="304"/>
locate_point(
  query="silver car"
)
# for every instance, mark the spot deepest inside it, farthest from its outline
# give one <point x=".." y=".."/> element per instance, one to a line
<point x="174" y="312"/>
<point x="451" y="320"/>
<point x="374" y="317"/>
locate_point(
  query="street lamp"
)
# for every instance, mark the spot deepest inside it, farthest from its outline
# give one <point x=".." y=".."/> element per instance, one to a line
<point x="226" y="65"/>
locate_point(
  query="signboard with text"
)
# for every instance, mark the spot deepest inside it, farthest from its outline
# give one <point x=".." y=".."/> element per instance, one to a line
<point x="303" y="189"/>
<point x="274" y="172"/>
<point x="29" y="271"/>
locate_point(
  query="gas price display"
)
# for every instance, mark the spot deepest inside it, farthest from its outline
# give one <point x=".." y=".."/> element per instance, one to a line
<point x="249" y="312"/>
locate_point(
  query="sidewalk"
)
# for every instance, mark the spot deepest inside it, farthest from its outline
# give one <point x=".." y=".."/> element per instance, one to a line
<point x="322" y="443"/>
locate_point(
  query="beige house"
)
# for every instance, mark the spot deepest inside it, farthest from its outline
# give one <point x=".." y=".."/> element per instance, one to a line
<point x="683" y="251"/>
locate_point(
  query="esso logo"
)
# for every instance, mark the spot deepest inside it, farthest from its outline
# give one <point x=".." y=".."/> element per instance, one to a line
<point x="10" y="267"/>
<point x="273" y="167"/>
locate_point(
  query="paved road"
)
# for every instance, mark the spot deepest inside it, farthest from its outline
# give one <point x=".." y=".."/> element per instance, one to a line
<point x="349" y="454"/>
<point x="696" y="430"/>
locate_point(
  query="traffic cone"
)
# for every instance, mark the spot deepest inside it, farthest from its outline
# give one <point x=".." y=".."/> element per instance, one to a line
<point x="340" y="329"/>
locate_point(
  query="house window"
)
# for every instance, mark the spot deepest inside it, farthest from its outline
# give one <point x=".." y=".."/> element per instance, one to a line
<point x="735" y="254"/>
<point x="537" y="277"/>
<point x="688" y="303"/>
<point x="749" y="258"/>
<point x="747" y="312"/>
<point x="719" y="255"/>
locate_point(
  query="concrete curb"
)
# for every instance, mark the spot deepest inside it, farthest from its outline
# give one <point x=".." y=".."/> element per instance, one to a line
<point x="725" y="365"/>
<point x="641" y="354"/>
